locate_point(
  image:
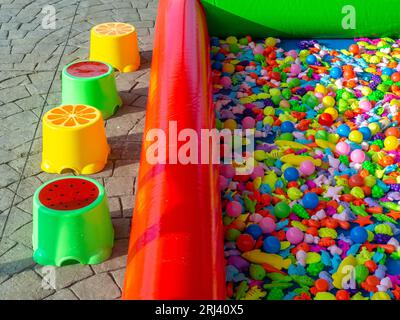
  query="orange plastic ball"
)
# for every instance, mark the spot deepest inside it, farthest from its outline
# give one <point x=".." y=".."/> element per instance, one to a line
<point x="321" y="285"/>
<point x="395" y="77"/>
<point x="354" y="49"/>
<point x="392" y="131"/>
<point x="348" y="74"/>
<point x="342" y="295"/>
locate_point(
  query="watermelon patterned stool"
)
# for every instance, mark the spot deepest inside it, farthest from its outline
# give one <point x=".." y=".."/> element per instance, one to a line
<point x="74" y="138"/>
<point x="71" y="222"/>
<point x="117" y="44"/>
<point x="91" y="83"/>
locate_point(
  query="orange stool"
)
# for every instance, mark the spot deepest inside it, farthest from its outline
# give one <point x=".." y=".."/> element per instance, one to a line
<point x="117" y="44"/>
<point x="74" y="139"/>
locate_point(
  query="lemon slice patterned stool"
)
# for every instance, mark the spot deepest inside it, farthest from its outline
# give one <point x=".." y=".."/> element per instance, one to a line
<point x="117" y="44"/>
<point x="91" y="83"/>
<point x="71" y="222"/>
<point x="74" y="138"/>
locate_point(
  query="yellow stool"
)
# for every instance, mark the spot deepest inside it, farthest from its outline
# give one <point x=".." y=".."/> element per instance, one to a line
<point x="74" y="139"/>
<point x="117" y="44"/>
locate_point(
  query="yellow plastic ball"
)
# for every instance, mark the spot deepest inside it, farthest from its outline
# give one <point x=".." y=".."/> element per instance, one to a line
<point x="391" y="143"/>
<point x="374" y="127"/>
<point x="274" y="92"/>
<point x="269" y="111"/>
<point x="332" y="111"/>
<point x="319" y="88"/>
<point x="333" y="138"/>
<point x="230" y="124"/>
<point x="270" y="42"/>
<point x="231" y="40"/>
<point x="366" y="91"/>
<point x="380" y="296"/>
<point x="268" y="120"/>
<point x="356" y="136"/>
<point x="228" y="68"/>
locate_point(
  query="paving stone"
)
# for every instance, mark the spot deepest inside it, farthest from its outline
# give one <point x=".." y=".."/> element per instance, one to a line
<point x="9" y="109"/>
<point x="31" y="102"/>
<point x="15" y="260"/>
<point x="140" y="102"/>
<point x="117" y="259"/>
<point x="127" y="206"/>
<point x="6" y="156"/>
<point x="27" y="187"/>
<point x="23" y="235"/>
<point x="114" y="205"/>
<point x="32" y="166"/>
<point x="5" y="245"/>
<point x="26" y="285"/>
<point x="118" y="186"/>
<point x="124" y="168"/>
<point x="6" y="197"/>
<point x="122" y="228"/>
<point x="93" y="288"/>
<point x="8" y="175"/>
<point x="13" y="94"/>
<point x="106" y="172"/>
<point x="14" y="81"/>
<point x="16" y="219"/>
<point x="118" y="276"/>
<point x="64" y="294"/>
<point x="67" y="275"/>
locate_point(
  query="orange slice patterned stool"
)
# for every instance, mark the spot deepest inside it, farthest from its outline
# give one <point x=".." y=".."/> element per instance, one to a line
<point x="117" y="44"/>
<point x="74" y="138"/>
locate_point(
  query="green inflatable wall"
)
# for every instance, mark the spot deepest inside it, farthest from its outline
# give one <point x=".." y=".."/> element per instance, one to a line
<point x="303" y="18"/>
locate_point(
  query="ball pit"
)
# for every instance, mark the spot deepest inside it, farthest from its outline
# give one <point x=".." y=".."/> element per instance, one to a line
<point x="326" y="193"/>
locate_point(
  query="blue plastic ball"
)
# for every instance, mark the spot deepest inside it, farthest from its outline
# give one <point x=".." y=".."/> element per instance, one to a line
<point x="311" y="59"/>
<point x="214" y="42"/>
<point x="310" y="200"/>
<point x="216" y="65"/>
<point x="343" y="130"/>
<point x="387" y="72"/>
<point x="366" y="132"/>
<point x="287" y="126"/>
<point x="336" y="72"/>
<point x="359" y="235"/>
<point x="271" y="244"/>
<point x="291" y="174"/>
<point x="254" y="230"/>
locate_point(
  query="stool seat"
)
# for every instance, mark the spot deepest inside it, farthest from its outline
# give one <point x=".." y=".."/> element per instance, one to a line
<point x="74" y="138"/>
<point x="71" y="222"/>
<point x="117" y="44"/>
<point x="91" y="83"/>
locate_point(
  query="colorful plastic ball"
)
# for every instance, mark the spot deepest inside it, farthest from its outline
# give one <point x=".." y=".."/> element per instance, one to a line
<point x="311" y="59"/>
<point x="294" y="235"/>
<point x="392" y="131"/>
<point x="245" y="242"/>
<point x="270" y="42"/>
<point x="343" y="130"/>
<point x="307" y="167"/>
<point x="248" y="123"/>
<point x="295" y="69"/>
<point x="310" y="200"/>
<point x="328" y="101"/>
<point x="358" y="235"/>
<point x="254" y="230"/>
<point x="281" y="210"/>
<point x="336" y="72"/>
<point x="365" y="105"/>
<point x="342" y="148"/>
<point x="354" y="49"/>
<point x="230" y="124"/>
<point x="391" y="143"/>
<point x="228" y="68"/>
<point x="395" y="77"/>
<point x="366" y="132"/>
<point x="333" y="112"/>
<point x="287" y="126"/>
<point x="291" y="174"/>
<point x="356" y="181"/>
<point x="325" y="119"/>
<point x="322" y="135"/>
<point x="226" y="82"/>
<point x="356" y="136"/>
<point x="234" y="209"/>
<point x="387" y="72"/>
<point x="374" y="127"/>
<point x="271" y="244"/>
<point x="267" y="225"/>
<point x="357" y="156"/>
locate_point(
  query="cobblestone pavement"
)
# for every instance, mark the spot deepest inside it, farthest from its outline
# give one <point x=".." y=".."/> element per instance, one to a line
<point x="31" y="59"/>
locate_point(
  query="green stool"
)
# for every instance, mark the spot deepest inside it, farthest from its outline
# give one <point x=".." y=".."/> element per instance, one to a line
<point x="71" y="222"/>
<point x="91" y="83"/>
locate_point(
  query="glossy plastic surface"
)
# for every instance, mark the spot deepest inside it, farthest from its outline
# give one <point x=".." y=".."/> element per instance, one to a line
<point x="176" y="244"/>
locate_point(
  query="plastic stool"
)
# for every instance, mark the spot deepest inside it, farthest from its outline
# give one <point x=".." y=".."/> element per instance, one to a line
<point x="117" y="44"/>
<point x="74" y="138"/>
<point x="91" y="83"/>
<point x="71" y="222"/>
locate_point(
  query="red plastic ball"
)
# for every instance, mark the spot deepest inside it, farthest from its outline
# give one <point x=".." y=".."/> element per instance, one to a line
<point x="354" y="49"/>
<point x="245" y="242"/>
<point x="325" y="119"/>
<point x="356" y="181"/>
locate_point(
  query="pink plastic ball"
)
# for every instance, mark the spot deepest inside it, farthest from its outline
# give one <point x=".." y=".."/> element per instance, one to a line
<point x="226" y="82"/>
<point x="267" y="225"/>
<point x="234" y="209"/>
<point x="294" y="235"/>
<point x="342" y="148"/>
<point x="295" y="69"/>
<point x="307" y="168"/>
<point x="357" y="156"/>
<point x="227" y="171"/>
<point x="223" y="182"/>
<point x="365" y="105"/>
<point x="257" y="172"/>
<point x="292" y="53"/>
<point x="248" y="123"/>
<point x="255" y="217"/>
<point x="259" y="49"/>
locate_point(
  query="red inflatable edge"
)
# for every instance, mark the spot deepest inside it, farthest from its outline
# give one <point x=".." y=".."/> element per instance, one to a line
<point x="176" y="242"/>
